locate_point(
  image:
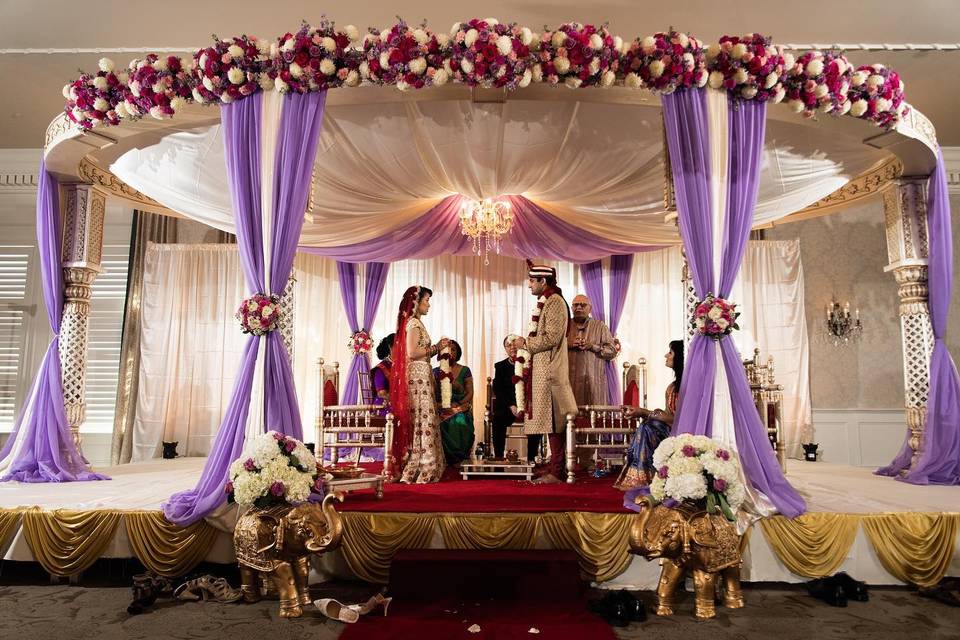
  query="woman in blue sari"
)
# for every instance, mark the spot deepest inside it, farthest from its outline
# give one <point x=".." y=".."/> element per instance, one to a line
<point x="638" y="470"/>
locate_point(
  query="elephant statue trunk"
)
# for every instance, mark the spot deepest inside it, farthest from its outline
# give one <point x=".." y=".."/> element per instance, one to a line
<point x="276" y="543"/>
<point x="690" y="542"/>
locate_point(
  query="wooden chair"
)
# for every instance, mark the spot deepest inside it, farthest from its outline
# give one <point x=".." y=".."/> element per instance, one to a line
<point x="601" y="430"/>
<point x="635" y="383"/>
<point x="365" y="385"/>
<point x="768" y="398"/>
<point x="515" y="436"/>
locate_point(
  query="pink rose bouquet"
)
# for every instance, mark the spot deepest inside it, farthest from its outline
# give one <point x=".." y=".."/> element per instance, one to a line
<point x="665" y="62"/>
<point x="360" y="343"/>
<point x="578" y="55"/>
<point x="819" y="80"/>
<point x="876" y="94"/>
<point x="749" y="67"/>
<point x="156" y="86"/>
<point x="93" y="99"/>
<point x="259" y="314"/>
<point x="405" y="57"/>
<point x="489" y="54"/>
<point x="315" y="58"/>
<point x="715" y="317"/>
<point x="230" y="69"/>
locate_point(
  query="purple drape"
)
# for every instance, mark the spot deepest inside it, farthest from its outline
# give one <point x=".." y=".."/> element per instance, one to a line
<point x="620" y="269"/>
<point x="939" y="461"/>
<point x="48" y="453"/>
<point x="592" y="274"/>
<point x="536" y="233"/>
<point x="374" y="282"/>
<point x="685" y="117"/>
<point x="296" y="146"/>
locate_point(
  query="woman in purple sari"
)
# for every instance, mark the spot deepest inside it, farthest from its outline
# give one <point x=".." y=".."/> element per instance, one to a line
<point x="380" y="375"/>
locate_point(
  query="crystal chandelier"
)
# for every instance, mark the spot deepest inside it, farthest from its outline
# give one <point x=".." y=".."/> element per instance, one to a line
<point x="841" y="328"/>
<point x="486" y="222"/>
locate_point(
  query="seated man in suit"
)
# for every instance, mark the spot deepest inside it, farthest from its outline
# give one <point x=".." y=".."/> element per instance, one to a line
<point x="504" y="406"/>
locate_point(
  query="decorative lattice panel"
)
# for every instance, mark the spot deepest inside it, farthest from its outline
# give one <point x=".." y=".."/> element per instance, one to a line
<point x="73" y="359"/>
<point x="288" y="315"/>
<point x="917" y="333"/>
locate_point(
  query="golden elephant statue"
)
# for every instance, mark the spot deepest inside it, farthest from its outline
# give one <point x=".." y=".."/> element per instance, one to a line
<point x="690" y="541"/>
<point x="277" y="543"/>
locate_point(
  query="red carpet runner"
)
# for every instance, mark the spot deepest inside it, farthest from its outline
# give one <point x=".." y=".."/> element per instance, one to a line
<point x="441" y="594"/>
<point x="454" y="495"/>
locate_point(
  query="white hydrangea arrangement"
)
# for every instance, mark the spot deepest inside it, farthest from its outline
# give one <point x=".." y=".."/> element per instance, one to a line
<point x="696" y="469"/>
<point x="273" y="469"/>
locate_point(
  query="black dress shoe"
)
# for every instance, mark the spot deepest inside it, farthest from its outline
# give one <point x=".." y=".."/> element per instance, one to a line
<point x="612" y="609"/>
<point x="853" y="589"/>
<point x="635" y="610"/>
<point x="828" y="590"/>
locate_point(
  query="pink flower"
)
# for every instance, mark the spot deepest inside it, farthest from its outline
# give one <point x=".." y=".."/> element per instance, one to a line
<point x="277" y="436"/>
<point x="249" y="465"/>
<point x="228" y="488"/>
<point x="277" y="489"/>
<point x="663" y="471"/>
<point x="289" y="445"/>
<point x="689" y="451"/>
<point x="719" y="484"/>
<point x="723" y="454"/>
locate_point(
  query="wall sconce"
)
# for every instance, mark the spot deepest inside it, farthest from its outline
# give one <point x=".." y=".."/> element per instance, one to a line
<point x="840" y="327"/>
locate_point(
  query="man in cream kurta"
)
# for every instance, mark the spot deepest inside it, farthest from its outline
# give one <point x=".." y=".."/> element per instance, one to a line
<point x="551" y="397"/>
<point x="591" y="346"/>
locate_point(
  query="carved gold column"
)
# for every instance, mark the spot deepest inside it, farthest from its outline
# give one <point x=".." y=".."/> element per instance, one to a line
<point x="905" y="212"/>
<point x="84" y="207"/>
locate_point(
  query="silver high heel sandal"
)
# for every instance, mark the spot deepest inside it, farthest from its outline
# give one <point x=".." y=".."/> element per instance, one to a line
<point x="371" y="604"/>
<point x="336" y="611"/>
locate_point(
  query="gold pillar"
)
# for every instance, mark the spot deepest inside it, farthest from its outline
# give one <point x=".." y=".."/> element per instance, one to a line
<point x="905" y="212"/>
<point x="84" y="207"/>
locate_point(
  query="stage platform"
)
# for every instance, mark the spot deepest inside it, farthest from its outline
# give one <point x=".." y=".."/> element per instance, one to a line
<point x="873" y="527"/>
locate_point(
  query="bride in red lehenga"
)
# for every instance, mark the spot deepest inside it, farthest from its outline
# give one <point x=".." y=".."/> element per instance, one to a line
<point x="416" y="451"/>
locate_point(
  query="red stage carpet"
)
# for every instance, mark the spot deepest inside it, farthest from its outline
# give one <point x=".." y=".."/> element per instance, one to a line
<point x="442" y="593"/>
<point x="454" y="495"/>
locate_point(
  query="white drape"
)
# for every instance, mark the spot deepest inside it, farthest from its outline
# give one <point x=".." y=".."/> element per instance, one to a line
<point x="597" y="166"/>
<point x="191" y="342"/>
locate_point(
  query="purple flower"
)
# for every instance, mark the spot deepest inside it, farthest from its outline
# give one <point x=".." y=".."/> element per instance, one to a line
<point x="689" y="451"/>
<point x="719" y="484"/>
<point x="289" y="445"/>
<point x="663" y="471"/>
<point x="248" y="465"/>
<point x="277" y="489"/>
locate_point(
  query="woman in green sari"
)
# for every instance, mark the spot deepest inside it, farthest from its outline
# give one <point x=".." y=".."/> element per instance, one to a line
<point x="456" y="428"/>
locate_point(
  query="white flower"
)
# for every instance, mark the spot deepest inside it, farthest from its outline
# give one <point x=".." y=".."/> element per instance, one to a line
<point x="77" y="114"/>
<point x="632" y="80"/>
<point x="100" y="104"/>
<point x="197" y="95"/>
<point x="365" y="69"/>
<point x="454" y="28"/>
<point x="740" y="76"/>
<point x="288" y="45"/>
<point x="352" y="32"/>
<point x="715" y="80"/>
<point x="420" y="36"/>
<point x="470" y="37"/>
<point x="858" y="78"/>
<point x="573" y="82"/>
<point x="723" y="324"/>
<point x="771" y="80"/>
<point x="327" y="67"/>
<point x="158" y="87"/>
<point x="236" y="76"/>
<point x="100" y="82"/>
<point x="715" y="313"/>
<point x="177" y="104"/>
<point x="235" y="51"/>
<point x="418" y="66"/>
<point x="779" y="96"/>
<point x="858" y="108"/>
<point x="788" y="60"/>
<point x="384" y="60"/>
<point x="525" y="80"/>
<point x="713" y="51"/>
<point x="844" y="107"/>
<point x="537" y="73"/>
<point x="264" y="47"/>
<point x="353" y="79"/>
<point x="683" y="40"/>
<point x="594" y="67"/>
<point x="688" y="61"/>
<point x="466" y="66"/>
<point x="558" y="39"/>
<point x="648" y="44"/>
<point x="596" y="42"/>
<point x="122" y="111"/>
<point x="796" y="105"/>
<point x="748" y="91"/>
<point x="526" y="36"/>
<point x="402" y="84"/>
<point x="739" y="50"/>
<point x="815" y="67"/>
<point x="441" y="77"/>
<point x="295" y="70"/>
<point x="329" y="44"/>
<point x="882" y="105"/>
<point x="491" y="21"/>
<point x="562" y="65"/>
<point x="821" y="90"/>
<point x="266" y="82"/>
<point x="384" y="36"/>
<point x="608" y="78"/>
<point x="504" y="45"/>
<point x="105" y="64"/>
<point x="875" y="81"/>
<point x="656" y="69"/>
<point x="157" y="113"/>
<point x="66" y="90"/>
<point x="442" y="39"/>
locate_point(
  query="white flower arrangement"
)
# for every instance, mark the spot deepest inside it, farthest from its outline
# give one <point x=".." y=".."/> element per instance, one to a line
<point x="272" y="470"/>
<point x="697" y="468"/>
<point x="446" y="384"/>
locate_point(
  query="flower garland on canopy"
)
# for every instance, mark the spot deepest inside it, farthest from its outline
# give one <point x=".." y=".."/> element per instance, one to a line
<point x="360" y="343"/>
<point x="715" y="317"/>
<point x="490" y="54"/>
<point x="259" y="314"/>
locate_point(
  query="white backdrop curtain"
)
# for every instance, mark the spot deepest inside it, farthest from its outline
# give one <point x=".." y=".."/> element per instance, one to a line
<point x="190" y="344"/>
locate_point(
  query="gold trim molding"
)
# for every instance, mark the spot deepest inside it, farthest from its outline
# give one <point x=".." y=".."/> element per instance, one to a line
<point x="114" y="186"/>
<point x="864" y="186"/>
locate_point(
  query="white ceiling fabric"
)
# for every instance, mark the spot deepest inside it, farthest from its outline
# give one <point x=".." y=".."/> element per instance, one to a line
<point x="597" y="166"/>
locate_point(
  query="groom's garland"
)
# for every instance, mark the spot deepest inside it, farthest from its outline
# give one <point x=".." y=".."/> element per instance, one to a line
<point x="523" y="366"/>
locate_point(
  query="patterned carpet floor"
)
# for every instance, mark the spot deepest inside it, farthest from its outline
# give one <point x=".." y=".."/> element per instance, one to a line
<point x="33" y="611"/>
